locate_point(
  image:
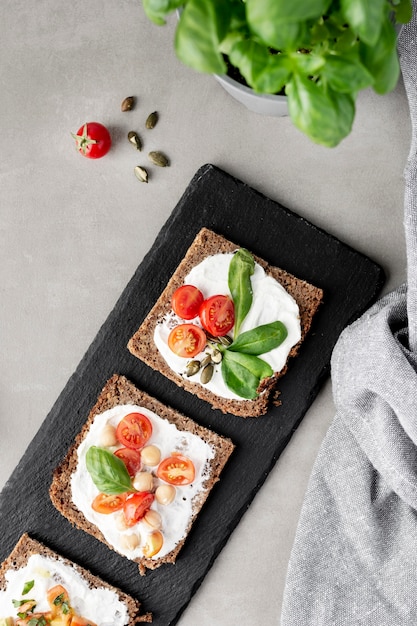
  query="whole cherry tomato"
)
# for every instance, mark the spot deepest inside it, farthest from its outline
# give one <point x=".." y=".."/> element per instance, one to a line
<point x="92" y="140"/>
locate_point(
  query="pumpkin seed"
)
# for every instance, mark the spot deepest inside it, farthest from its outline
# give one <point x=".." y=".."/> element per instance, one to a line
<point x="128" y="104"/>
<point x="141" y="174"/>
<point x="217" y="356"/>
<point x="206" y="360"/>
<point x="207" y="373"/>
<point x="151" y="120"/>
<point x="192" y="367"/>
<point x="225" y="340"/>
<point x="158" y="158"/>
<point x="134" y="139"/>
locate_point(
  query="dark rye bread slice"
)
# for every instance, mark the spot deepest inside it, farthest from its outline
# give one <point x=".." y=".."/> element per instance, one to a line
<point x="119" y="391"/>
<point x="207" y="243"/>
<point x="27" y="546"/>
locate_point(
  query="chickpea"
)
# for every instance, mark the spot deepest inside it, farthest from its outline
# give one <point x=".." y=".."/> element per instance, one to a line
<point x="143" y="481"/>
<point x="121" y="522"/>
<point x="151" y="455"/>
<point x="152" y="519"/>
<point x="165" y="494"/>
<point x="108" y="436"/>
<point x="129" y="542"/>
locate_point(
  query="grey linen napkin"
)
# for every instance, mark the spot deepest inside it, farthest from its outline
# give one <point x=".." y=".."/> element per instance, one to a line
<point x="354" y="560"/>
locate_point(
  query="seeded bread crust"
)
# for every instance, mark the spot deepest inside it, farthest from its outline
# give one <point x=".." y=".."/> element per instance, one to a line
<point x="118" y="391"/>
<point x="142" y="345"/>
<point x="26" y="546"/>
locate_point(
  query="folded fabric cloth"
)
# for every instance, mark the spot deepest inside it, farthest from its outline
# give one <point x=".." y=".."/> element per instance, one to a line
<point x="354" y="560"/>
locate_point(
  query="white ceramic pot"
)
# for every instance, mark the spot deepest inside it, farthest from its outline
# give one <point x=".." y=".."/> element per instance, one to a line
<point x="264" y="104"/>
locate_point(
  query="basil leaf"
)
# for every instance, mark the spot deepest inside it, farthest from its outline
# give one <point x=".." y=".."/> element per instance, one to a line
<point x="265" y="72"/>
<point x="27" y="587"/>
<point x="365" y="18"/>
<point x="108" y="472"/>
<point x="202" y="27"/>
<point x="403" y="11"/>
<point x="241" y="269"/>
<point x="242" y="373"/>
<point x="381" y="60"/>
<point x="269" y="18"/>
<point x="346" y="74"/>
<point x="157" y="10"/>
<point x="261" y="339"/>
<point x="324" y="115"/>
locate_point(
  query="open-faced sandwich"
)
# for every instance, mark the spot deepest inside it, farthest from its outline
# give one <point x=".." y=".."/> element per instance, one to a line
<point x="38" y="587"/>
<point x="138" y="474"/>
<point x="226" y="325"/>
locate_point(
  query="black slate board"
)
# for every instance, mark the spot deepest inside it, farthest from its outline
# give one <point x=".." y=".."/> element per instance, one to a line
<point x="218" y="201"/>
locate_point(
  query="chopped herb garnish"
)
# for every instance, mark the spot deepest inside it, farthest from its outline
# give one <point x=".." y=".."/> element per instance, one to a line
<point x="63" y="603"/>
<point x="18" y="603"/>
<point x="59" y="599"/>
<point x="65" y="608"/>
<point x="37" y="621"/>
<point x="27" y="587"/>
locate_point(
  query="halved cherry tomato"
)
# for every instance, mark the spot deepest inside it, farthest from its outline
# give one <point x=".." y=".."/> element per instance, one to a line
<point x="176" y="470"/>
<point x="187" y="340"/>
<point x="186" y="301"/>
<point x="134" y="430"/>
<point x="136" y="506"/>
<point x="153" y="543"/>
<point x="131" y="458"/>
<point x="217" y="315"/>
<point x="104" y="503"/>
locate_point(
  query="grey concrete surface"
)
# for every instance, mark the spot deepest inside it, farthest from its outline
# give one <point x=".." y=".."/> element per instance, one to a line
<point x="73" y="231"/>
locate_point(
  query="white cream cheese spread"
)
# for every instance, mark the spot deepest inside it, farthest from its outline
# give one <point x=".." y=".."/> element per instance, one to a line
<point x="175" y="517"/>
<point x="271" y="303"/>
<point x="101" y="605"/>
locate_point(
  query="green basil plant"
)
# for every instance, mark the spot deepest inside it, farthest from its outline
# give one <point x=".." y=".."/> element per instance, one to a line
<point x="319" y="53"/>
